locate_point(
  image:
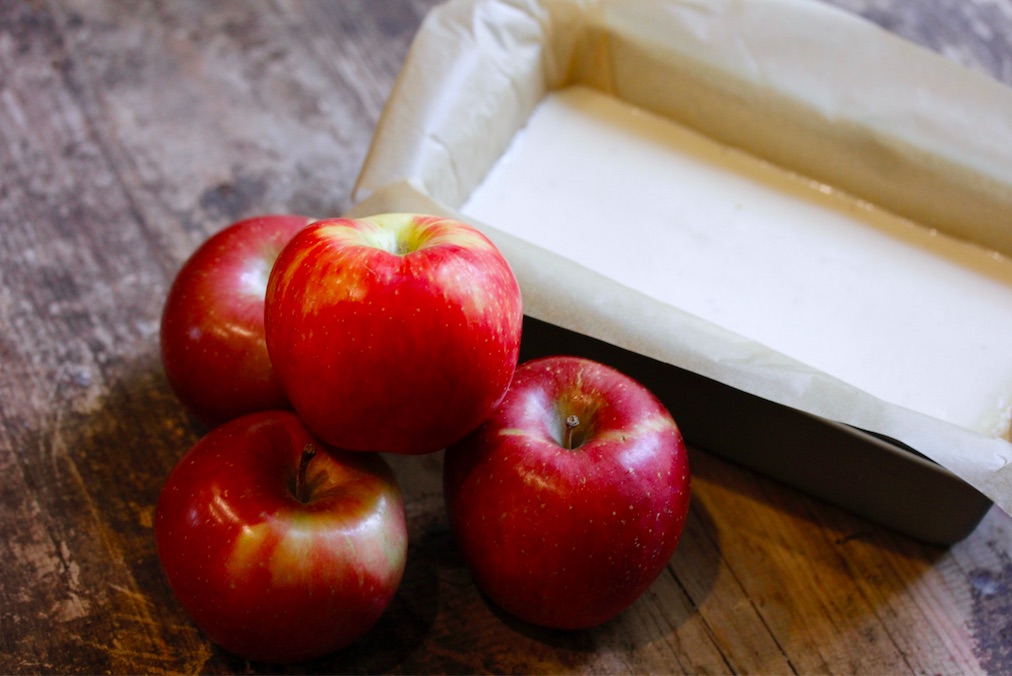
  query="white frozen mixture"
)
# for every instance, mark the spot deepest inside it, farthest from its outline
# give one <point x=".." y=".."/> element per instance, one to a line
<point x="903" y="312"/>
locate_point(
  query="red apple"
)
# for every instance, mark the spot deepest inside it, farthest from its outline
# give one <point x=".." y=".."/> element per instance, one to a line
<point x="277" y="554"/>
<point x="570" y="499"/>
<point x="394" y="333"/>
<point x="212" y="332"/>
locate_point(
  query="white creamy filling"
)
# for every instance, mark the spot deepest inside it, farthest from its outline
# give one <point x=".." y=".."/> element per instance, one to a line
<point x="905" y="313"/>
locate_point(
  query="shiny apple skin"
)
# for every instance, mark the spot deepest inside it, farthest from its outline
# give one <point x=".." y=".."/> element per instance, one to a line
<point x="264" y="575"/>
<point x="212" y="330"/>
<point x="569" y="538"/>
<point x="396" y="333"/>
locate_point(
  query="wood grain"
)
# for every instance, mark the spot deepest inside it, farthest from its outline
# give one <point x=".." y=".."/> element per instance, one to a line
<point x="130" y="131"/>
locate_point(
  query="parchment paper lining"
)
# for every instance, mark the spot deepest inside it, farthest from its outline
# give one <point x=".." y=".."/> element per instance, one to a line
<point x="807" y="87"/>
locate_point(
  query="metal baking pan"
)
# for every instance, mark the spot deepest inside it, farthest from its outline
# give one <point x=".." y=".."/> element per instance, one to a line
<point x="477" y="70"/>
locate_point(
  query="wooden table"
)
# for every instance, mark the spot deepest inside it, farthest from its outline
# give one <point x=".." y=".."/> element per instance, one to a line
<point x="130" y="131"/>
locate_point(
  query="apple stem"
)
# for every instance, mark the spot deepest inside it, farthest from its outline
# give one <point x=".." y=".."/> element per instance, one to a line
<point x="572" y="422"/>
<point x="308" y="453"/>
